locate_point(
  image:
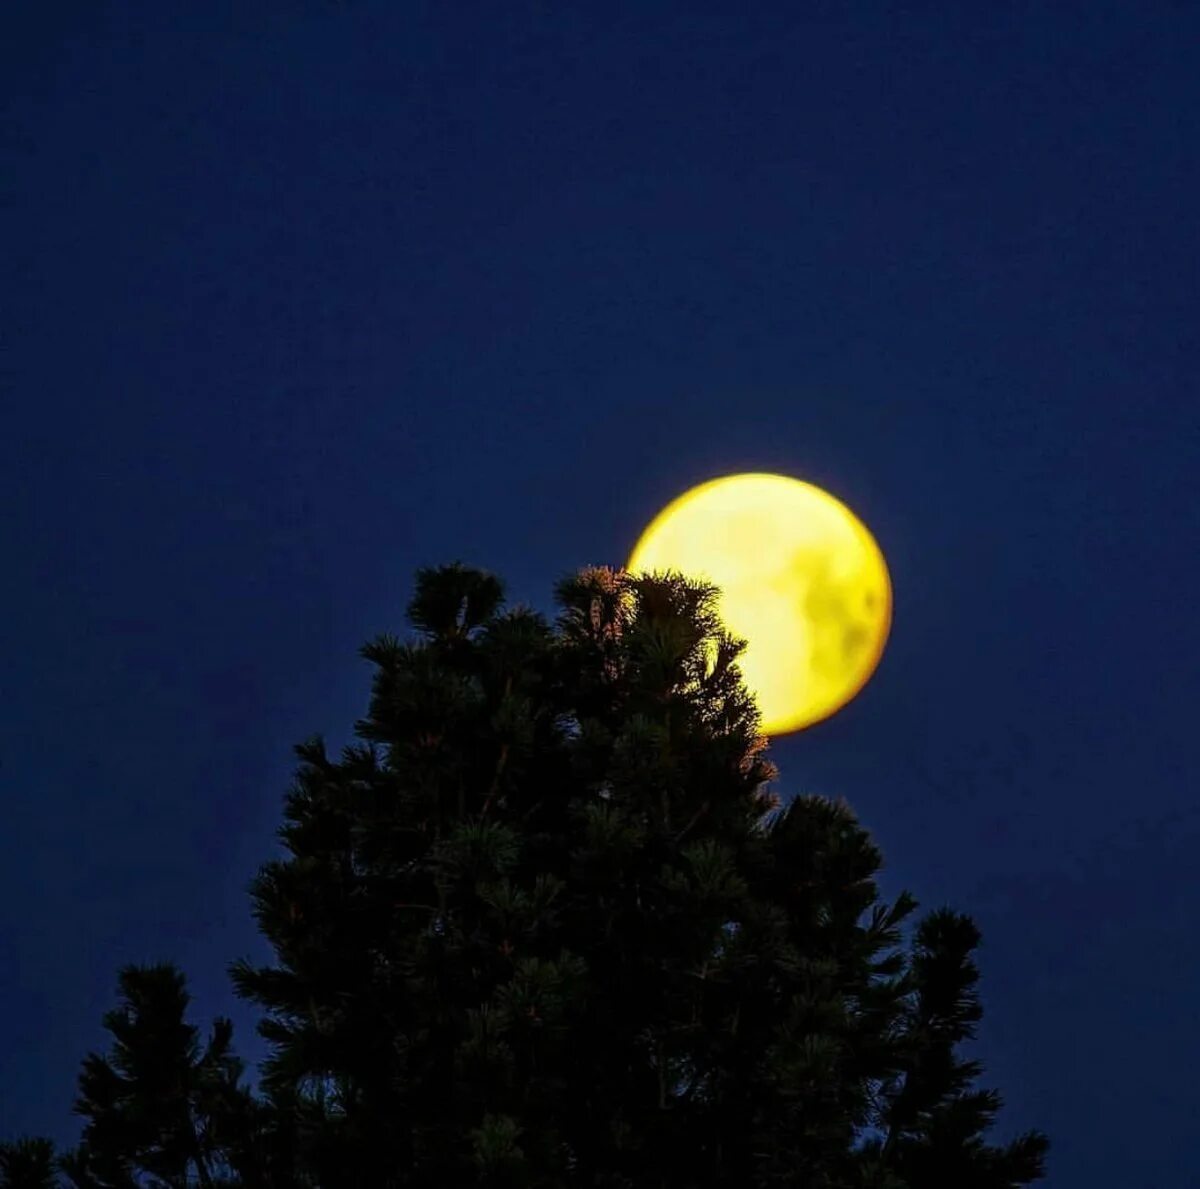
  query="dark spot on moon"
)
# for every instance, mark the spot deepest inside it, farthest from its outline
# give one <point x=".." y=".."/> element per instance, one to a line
<point x="853" y="639"/>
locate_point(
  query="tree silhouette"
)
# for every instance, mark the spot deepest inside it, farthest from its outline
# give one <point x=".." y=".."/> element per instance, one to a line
<point x="545" y="925"/>
<point x="158" y="1106"/>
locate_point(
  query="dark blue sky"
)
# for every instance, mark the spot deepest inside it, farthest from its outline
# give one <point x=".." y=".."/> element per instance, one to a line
<point x="302" y="296"/>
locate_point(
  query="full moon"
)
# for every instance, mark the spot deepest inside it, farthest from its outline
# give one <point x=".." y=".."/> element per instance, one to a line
<point x="802" y="581"/>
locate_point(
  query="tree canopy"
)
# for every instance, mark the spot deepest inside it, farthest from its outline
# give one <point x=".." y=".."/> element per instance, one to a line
<point x="545" y="924"/>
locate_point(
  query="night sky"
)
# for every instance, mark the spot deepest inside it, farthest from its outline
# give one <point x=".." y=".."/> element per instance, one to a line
<point x="300" y="297"/>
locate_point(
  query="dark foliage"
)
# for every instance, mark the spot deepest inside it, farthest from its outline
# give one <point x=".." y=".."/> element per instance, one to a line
<point x="27" y="1164"/>
<point x="546" y="926"/>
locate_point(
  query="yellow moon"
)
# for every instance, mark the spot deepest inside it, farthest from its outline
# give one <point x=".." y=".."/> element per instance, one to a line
<point x="801" y="580"/>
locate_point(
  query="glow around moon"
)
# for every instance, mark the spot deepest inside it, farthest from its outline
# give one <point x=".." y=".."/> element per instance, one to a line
<point x="802" y="581"/>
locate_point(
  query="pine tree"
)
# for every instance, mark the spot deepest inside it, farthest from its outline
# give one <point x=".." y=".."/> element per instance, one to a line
<point x="546" y="925"/>
<point x="159" y="1108"/>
